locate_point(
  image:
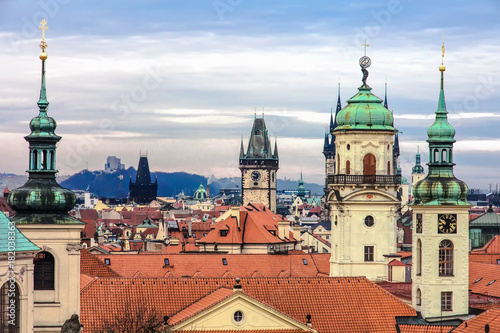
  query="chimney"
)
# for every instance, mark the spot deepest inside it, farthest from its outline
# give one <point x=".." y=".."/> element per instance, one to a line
<point x="208" y="191"/>
<point x="296" y="235"/>
<point x="235" y="213"/>
<point x="309" y="324"/>
<point x="190" y="226"/>
<point x="283" y="229"/>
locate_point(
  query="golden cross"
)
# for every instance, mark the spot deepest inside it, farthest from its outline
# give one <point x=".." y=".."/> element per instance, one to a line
<point x="365" y="45"/>
<point x="43" y="26"/>
<point x="442" y="49"/>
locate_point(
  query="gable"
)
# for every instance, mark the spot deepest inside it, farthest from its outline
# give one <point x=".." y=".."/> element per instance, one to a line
<point x="255" y="315"/>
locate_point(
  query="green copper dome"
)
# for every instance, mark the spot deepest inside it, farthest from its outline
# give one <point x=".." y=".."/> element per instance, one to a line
<point x="440" y="187"/>
<point x="364" y="111"/>
<point x="201" y="193"/>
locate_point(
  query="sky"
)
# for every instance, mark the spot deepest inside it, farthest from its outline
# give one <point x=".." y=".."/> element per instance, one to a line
<point x="181" y="80"/>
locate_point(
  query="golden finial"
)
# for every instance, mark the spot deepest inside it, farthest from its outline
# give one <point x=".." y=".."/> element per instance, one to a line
<point x="442" y="68"/>
<point x="43" y="45"/>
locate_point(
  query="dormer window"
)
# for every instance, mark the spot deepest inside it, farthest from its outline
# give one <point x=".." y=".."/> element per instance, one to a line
<point x="166" y="261"/>
<point x="223" y="233"/>
<point x="107" y="261"/>
<point x="224" y="261"/>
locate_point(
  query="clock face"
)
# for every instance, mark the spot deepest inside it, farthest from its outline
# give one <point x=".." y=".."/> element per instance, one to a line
<point x="447" y="223"/>
<point x="419" y="223"/>
<point x="255" y="175"/>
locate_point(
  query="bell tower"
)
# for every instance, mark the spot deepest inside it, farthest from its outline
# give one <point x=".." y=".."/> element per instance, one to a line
<point x="363" y="192"/>
<point x="440" y="274"/>
<point x="42" y="207"/>
<point x="259" y="166"/>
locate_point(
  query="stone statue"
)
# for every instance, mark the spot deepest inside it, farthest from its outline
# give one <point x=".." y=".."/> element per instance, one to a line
<point x="72" y="325"/>
<point x="401" y="235"/>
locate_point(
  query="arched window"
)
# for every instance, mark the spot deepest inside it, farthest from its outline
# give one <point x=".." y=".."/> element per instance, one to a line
<point x="419" y="257"/>
<point x="446" y="258"/>
<point x="388" y="168"/>
<point x="348" y="167"/>
<point x="436" y="155"/>
<point x="419" y="297"/>
<point x="44" y="271"/>
<point x="44" y="159"/>
<point x="35" y="160"/>
<point x="443" y="155"/>
<point x="338" y="164"/>
<point x="369" y="163"/>
<point x="450" y="159"/>
<point x="9" y="294"/>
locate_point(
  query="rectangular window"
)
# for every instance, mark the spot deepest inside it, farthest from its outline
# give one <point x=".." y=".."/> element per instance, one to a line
<point x="304" y="261"/>
<point x="107" y="261"/>
<point x="166" y="261"/>
<point x="194" y="235"/>
<point x="368" y="253"/>
<point x="224" y="261"/>
<point x="446" y="301"/>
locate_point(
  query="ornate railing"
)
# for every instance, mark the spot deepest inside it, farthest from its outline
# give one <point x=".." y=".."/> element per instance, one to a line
<point x="365" y="179"/>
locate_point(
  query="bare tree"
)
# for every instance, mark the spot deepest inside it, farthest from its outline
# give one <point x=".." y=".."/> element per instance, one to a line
<point x="136" y="318"/>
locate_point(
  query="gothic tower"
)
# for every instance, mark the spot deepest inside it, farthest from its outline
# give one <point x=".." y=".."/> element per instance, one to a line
<point x="42" y="207"/>
<point x="143" y="191"/>
<point x="259" y="166"/>
<point x="363" y="192"/>
<point x="440" y="271"/>
<point x="417" y="172"/>
<point x="329" y="145"/>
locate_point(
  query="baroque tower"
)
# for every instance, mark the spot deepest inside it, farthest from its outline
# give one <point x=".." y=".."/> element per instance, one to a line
<point x="259" y="167"/>
<point x="143" y="191"/>
<point x="417" y="172"/>
<point x="440" y="271"/>
<point x="42" y="207"/>
<point x="363" y="192"/>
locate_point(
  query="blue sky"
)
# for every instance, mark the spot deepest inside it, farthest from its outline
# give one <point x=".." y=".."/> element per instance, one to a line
<point x="181" y="79"/>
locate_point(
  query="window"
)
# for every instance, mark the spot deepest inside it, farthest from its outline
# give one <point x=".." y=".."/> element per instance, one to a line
<point x="9" y="294"/>
<point x="348" y="167"/>
<point x="327" y="237"/>
<point x="369" y="163"/>
<point x="348" y="147"/>
<point x="446" y="301"/>
<point x="304" y="261"/>
<point x="338" y="163"/>
<point x="388" y="168"/>
<point x="166" y="261"/>
<point x="44" y="271"/>
<point x="204" y="234"/>
<point x="419" y="257"/>
<point x="436" y="155"/>
<point x="185" y="235"/>
<point x="107" y="261"/>
<point x="446" y="258"/>
<point x="194" y="235"/>
<point x="443" y="155"/>
<point x="368" y="253"/>
<point x="238" y="316"/>
<point x="223" y="233"/>
<point x="419" y="297"/>
<point x="224" y="261"/>
<point x="369" y="221"/>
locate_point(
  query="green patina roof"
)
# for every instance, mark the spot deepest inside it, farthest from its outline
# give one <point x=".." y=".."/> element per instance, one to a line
<point x="21" y="243"/>
<point x="200" y="193"/>
<point x="440" y="187"/>
<point x="364" y="111"/>
<point x="147" y="224"/>
<point x="488" y="219"/>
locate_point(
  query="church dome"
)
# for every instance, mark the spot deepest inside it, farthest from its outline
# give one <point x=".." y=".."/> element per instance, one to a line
<point x="437" y="189"/>
<point x="364" y="111"/>
<point x="43" y="125"/>
<point x="42" y="195"/>
<point x="201" y="193"/>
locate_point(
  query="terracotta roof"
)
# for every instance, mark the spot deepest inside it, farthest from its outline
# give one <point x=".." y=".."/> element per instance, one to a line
<point x="352" y="304"/>
<point x="212" y="264"/>
<point x="206" y="302"/>
<point x="493" y="246"/>
<point x="484" y="279"/>
<point x="251" y="229"/>
<point x="93" y="267"/>
<point x="477" y="324"/>
<point x="483" y="257"/>
<point x="396" y="262"/>
<point x="246" y="331"/>
<point x="85" y="280"/>
<point x="399" y="289"/>
<point x="425" y="329"/>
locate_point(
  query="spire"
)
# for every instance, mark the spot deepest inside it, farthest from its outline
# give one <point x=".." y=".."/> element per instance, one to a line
<point x="259" y="145"/>
<point x="332" y="121"/>
<point x="395" y="148"/>
<point x="385" y="98"/>
<point x="326" y="145"/>
<point x="417" y="168"/>
<point x="242" y="150"/>
<point x="337" y="110"/>
<point x="440" y="186"/>
<point x="275" y="155"/>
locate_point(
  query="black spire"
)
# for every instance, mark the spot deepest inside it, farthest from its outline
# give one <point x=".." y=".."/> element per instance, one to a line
<point x="143" y="191"/>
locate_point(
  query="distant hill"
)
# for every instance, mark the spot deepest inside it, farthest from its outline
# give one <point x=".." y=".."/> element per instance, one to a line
<point x="115" y="185"/>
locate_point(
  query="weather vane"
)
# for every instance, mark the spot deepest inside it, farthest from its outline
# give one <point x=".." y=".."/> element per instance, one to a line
<point x="365" y="62"/>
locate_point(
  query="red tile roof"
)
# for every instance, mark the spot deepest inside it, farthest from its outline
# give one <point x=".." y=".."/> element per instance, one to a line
<point x="425" y="329"/>
<point x="206" y="302"/>
<point x="352" y="304"/>
<point x="93" y="267"/>
<point x="493" y="246"/>
<point x="477" y="324"/>
<point x="484" y="279"/>
<point x="211" y="264"/>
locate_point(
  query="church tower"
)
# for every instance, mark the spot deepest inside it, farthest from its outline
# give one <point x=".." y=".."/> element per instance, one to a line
<point x="417" y="172"/>
<point x="363" y="192"/>
<point x="329" y="145"/>
<point x="440" y="271"/>
<point x="259" y="166"/>
<point x="143" y="191"/>
<point x="42" y="207"/>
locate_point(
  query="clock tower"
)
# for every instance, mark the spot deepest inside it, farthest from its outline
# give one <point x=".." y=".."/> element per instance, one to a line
<point x="259" y="166"/>
<point x="440" y="273"/>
